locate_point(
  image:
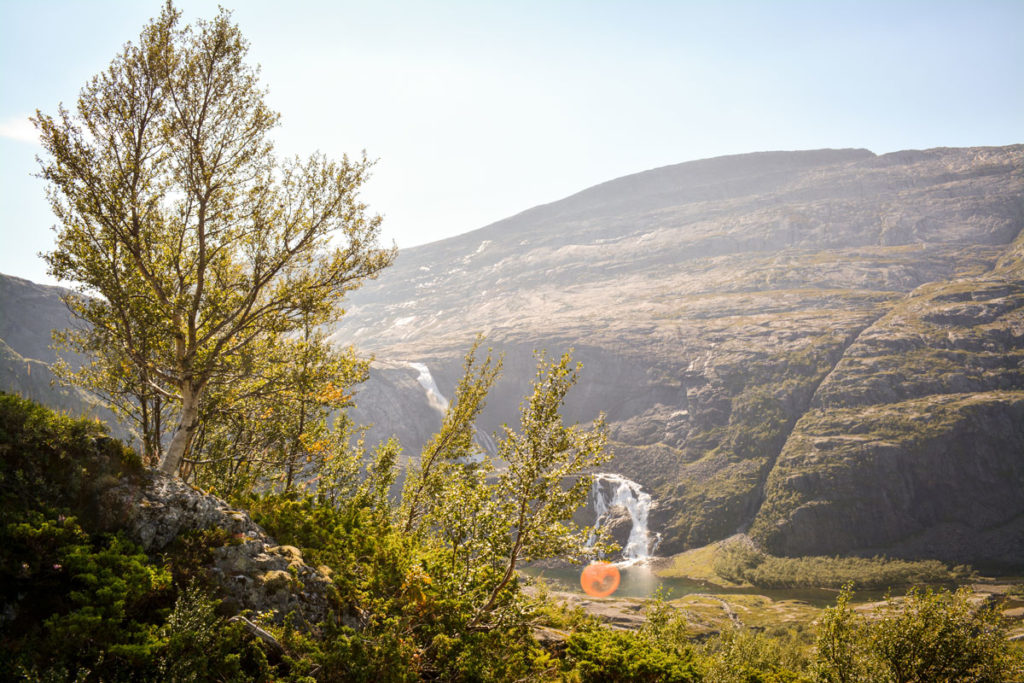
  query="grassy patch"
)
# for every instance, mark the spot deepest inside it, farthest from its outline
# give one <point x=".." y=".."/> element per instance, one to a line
<point x="740" y="562"/>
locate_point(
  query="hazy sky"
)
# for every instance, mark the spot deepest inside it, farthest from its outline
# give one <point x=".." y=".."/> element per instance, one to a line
<point x="478" y="110"/>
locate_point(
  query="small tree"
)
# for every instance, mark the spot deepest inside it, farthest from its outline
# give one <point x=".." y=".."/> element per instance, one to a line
<point x="194" y="242"/>
<point x="486" y="516"/>
<point x="940" y="636"/>
<point x="842" y="654"/>
<point x="444" y="457"/>
<point x="529" y="513"/>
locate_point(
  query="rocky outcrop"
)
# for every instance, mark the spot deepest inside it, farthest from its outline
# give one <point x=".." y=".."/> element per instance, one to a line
<point x="252" y="571"/>
<point x="917" y="434"/>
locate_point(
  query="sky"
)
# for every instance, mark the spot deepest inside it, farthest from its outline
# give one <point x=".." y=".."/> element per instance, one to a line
<point x="478" y="110"/>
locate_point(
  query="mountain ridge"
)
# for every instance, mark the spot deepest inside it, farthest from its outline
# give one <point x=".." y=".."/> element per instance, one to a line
<point x="712" y="321"/>
<point x="785" y="348"/>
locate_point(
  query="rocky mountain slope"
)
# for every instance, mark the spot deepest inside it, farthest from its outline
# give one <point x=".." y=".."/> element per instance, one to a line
<point x="29" y="312"/>
<point x="824" y="348"/>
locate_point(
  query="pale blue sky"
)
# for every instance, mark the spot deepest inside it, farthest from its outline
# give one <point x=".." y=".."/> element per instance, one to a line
<point x="478" y="110"/>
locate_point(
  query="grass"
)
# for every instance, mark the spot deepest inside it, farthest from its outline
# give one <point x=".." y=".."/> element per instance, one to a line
<point x="739" y="562"/>
<point x="698" y="563"/>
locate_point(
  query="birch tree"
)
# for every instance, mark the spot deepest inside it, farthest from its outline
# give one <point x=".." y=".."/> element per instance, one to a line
<point x="186" y="239"/>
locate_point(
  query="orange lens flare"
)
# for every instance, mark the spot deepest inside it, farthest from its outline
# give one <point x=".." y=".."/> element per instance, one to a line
<point x="600" y="579"/>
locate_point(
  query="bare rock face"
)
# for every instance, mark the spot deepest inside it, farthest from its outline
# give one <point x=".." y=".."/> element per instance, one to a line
<point x="252" y="570"/>
<point x="728" y="312"/>
<point x="619" y="524"/>
<point x="917" y="433"/>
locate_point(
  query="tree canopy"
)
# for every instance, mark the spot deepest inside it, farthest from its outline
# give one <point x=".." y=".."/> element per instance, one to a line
<point x="192" y="247"/>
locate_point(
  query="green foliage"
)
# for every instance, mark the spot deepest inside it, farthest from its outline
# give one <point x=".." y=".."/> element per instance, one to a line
<point x="939" y="636"/>
<point x="745" y="656"/>
<point x="926" y="636"/>
<point x="77" y="604"/>
<point x="603" y="654"/>
<point x="196" y="253"/>
<point x="451" y="449"/>
<point x="115" y="597"/>
<point x="199" y="646"/>
<point x="743" y="563"/>
<point x="431" y="583"/>
<point x="842" y="657"/>
<point x="53" y="461"/>
<point x="273" y="427"/>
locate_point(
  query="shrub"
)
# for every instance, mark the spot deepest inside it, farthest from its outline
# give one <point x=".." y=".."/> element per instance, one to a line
<point x="743" y="563"/>
<point x="603" y="654"/>
<point x="927" y="636"/>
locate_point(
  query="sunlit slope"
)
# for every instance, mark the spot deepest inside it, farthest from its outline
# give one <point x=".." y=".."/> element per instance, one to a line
<point x="717" y="307"/>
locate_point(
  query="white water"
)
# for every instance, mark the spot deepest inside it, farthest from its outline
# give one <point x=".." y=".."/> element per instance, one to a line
<point x="439" y="403"/>
<point x="434" y="396"/>
<point x="611" y="489"/>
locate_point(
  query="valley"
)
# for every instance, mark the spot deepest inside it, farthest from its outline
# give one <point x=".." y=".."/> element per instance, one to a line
<point x="822" y="349"/>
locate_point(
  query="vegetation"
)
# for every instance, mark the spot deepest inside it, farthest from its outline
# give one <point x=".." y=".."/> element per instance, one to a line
<point x="197" y="254"/>
<point x="83" y="604"/>
<point x="742" y="563"/>
<point x="928" y="636"/>
<point x="205" y="272"/>
<point x="79" y="604"/>
<point x="435" y="597"/>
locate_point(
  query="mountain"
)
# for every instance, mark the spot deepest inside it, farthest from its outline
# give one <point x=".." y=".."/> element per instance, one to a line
<point x="29" y="312"/>
<point x="822" y="348"/>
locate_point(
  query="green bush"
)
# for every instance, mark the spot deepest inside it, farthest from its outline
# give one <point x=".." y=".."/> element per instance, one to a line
<point x="745" y="656"/>
<point x="926" y="636"/>
<point x="198" y="645"/>
<point x="76" y="604"/>
<point x="604" y="654"/>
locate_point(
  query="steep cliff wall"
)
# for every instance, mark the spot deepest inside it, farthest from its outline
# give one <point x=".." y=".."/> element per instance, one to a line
<point x="914" y="444"/>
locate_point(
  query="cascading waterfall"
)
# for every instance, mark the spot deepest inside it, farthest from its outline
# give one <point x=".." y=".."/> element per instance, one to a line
<point x="439" y="403"/>
<point x="426" y="380"/>
<point x="611" y="489"/>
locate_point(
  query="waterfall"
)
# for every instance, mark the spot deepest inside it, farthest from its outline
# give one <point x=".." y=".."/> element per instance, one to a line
<point x="614" y="489"/>
<point x="426" y="380"/>
<point x="439" y="403"/>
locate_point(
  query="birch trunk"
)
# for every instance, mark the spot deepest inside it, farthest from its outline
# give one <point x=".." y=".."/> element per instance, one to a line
<point x="183" y="434"/>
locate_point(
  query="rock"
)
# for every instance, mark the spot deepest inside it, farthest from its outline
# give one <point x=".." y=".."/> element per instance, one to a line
<point x="252" y="570"/>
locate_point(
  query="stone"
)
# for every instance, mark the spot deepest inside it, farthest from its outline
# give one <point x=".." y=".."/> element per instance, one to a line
<point x="252" y="571"/>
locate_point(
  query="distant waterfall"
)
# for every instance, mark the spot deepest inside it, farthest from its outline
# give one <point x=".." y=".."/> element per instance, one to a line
<point x="426" y="380"/>
<point x="610" y="490"/>
<point x="439" y="403"/>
